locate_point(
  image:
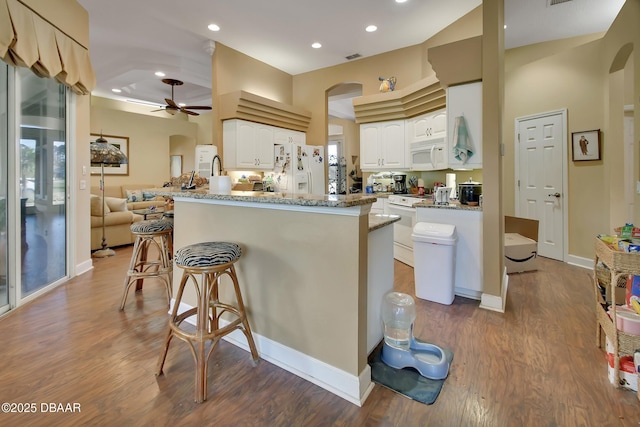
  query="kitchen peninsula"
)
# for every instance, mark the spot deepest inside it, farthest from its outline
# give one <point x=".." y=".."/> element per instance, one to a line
<point x="313" y="272"/>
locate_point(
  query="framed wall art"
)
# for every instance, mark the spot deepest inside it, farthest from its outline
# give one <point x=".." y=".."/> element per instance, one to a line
<point x="585" y="145"/>
<point x="120" y="142"/>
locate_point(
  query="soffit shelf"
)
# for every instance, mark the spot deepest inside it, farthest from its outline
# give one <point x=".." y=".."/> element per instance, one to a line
<point x="247" y="106"/>
<point x="418" y="98"/>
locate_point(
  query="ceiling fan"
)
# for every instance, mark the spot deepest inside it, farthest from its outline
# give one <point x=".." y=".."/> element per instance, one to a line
<point x="172" y="108"/>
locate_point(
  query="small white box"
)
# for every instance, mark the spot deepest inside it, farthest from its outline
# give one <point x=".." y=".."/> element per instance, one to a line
<point x="627" y="374"/>
<point x="520" y="253"/>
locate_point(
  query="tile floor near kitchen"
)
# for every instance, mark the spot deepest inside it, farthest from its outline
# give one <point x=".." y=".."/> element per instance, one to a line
<point x="535" y="365"/>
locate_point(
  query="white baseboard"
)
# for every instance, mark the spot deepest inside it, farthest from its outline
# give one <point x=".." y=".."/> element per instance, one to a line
<point x="493" y="302"/>
<point x="580" y="261"/>
<point x="349" y="387"/>
<point x="83" y="267"/>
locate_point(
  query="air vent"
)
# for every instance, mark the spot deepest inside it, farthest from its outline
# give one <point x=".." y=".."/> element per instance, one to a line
<point x="555" y="2"/>
<point x="354" y="56"/>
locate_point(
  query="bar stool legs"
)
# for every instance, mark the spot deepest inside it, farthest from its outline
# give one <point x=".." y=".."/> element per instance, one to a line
<point x="156" y="234"/>
<point x="211" y="261"/>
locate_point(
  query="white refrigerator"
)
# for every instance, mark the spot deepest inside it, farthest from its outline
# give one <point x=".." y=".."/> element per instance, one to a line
<point x="299" y="169"/>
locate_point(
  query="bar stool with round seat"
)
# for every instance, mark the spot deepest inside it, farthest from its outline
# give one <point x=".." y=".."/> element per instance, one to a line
<point x="152" y="233"/>
<point x="211" y="260"/>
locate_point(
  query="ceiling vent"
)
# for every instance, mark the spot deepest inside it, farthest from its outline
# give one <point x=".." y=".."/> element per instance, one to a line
<point x="354" y="56"/>
<point x="555" y="2"/>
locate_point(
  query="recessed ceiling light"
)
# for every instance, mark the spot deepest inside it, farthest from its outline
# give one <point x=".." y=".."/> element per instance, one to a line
<point x="114" y="90"/>
<point x="316" y="45"/>
<point x="181" y="104"/>
<point x="160" y="74"/>
<point x="213" y="27"/>
<point x="371" y="28"/>
<point x="401" y="1"/>
<point x="505" y="26"/>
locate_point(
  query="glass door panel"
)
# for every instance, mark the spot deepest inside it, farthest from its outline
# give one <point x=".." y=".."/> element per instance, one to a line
<point x="4" y="121"/>
<point x="42" y="176"/>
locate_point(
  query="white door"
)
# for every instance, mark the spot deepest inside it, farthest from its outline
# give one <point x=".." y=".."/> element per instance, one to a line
<point x="541" y="178"/>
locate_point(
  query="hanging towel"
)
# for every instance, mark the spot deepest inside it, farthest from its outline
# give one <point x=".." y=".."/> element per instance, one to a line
<point x="463" y="149"/>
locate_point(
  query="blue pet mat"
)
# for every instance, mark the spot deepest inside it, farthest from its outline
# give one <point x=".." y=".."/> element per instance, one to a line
<point x="407" y="381"/>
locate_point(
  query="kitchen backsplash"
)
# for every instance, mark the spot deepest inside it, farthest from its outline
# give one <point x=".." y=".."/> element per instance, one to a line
<point x="429" y="178"/>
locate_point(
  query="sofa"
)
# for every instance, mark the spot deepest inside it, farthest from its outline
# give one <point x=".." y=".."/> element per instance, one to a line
<point x="120" y="201"/>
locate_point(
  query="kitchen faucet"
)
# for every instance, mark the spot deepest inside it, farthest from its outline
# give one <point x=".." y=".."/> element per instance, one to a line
<point x="213" y="162"/>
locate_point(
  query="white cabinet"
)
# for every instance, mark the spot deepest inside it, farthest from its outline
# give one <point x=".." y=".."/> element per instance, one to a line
<point x="382" y="146"/>
<point x="380" y="206"/>
<point x="427" y="126"/>
<point x="285" y="136"/>
<point x="468" y="263"/>
<point x="247" y="145"/>
<point x="465" y="101"/>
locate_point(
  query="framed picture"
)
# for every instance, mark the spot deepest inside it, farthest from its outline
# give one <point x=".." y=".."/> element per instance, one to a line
<point x="120" y="142"/>
<point x="585" y="145"/>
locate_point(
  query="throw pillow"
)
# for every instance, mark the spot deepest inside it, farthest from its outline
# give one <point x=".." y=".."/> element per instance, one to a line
<point x="115" y="204"/>
<point x="134" y="196"/>
<point x="97" y="206"/>
<point x="148" y="196"/>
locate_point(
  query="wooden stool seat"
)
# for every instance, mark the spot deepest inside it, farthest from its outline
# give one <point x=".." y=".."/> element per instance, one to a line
<point x="155" y="233"/>
<point x="210" y="260"/>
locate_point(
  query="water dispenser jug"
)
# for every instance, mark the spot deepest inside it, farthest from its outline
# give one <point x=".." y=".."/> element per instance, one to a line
<point x="398" y="315"/>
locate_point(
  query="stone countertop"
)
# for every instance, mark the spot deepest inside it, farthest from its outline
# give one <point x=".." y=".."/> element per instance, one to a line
<point x="377" y="221"/>
<point x="428" y="203"/>
<point x="326" y="200"/>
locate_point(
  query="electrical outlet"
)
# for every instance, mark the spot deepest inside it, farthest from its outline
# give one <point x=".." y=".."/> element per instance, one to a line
<point x="83" y="184"/>
<point x="84" y="170"/>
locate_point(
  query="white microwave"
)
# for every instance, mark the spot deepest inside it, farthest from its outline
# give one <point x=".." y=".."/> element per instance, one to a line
<point x="430" y="155"/>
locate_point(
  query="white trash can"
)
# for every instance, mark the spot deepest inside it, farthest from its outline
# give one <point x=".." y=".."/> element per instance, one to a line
<point x="434" y="257"/>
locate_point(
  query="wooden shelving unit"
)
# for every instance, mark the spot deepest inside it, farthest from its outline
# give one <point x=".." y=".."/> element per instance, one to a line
<point x="611" y="269"/>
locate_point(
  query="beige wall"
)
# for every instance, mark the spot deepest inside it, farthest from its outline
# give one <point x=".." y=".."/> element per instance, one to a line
<point x="149" y="141"/>
<point x="575" y="75"/>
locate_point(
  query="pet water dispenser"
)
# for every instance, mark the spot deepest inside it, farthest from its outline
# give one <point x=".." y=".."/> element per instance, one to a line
<point x="401" y="349"/>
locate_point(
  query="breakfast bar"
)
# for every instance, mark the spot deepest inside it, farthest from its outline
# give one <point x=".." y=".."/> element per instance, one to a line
<point x="304" y="275"/>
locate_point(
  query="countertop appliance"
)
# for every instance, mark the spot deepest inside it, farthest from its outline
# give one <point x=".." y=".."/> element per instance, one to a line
<point x="469" y="192"/>
<point x="299" y="168"/>
<point x="441" y="195"/>
<point x="399" y="183"/>
<point x="402" y="206"/>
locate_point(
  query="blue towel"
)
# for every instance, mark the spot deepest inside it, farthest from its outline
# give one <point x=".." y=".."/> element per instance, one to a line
<point x="463" y="149"/>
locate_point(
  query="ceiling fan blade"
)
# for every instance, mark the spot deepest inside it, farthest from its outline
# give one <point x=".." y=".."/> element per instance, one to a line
<point x="153" y="111"/>
<point x="197" y="107"/>
<point x="171" y="102"/>
<point x="192" y="113"/>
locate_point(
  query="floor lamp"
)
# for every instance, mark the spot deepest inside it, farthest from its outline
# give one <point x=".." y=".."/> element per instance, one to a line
<point x="103" y="153"/>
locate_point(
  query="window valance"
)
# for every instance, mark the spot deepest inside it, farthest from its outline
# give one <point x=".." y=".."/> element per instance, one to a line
<point x="27" y="40"/>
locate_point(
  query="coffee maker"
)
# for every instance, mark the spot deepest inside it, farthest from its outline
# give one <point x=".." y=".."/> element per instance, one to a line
<point x="399" y="184"/>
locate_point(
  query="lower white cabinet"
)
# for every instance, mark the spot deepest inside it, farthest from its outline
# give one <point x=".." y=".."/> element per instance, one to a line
<point x="247" y="145"/>
<point x="468" y="262"/>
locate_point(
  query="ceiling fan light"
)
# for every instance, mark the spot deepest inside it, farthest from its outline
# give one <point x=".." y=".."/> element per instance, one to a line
<point x="171" y="111"/>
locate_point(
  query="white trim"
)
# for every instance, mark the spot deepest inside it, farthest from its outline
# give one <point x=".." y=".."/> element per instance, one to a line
<point x="565" y="172"/>
<point x="347" y="386"/>
<point x="357" y="210"/>
<point x="83" y="267"/>
<point x="493" y="302"/>
<point x="580" y="261"/>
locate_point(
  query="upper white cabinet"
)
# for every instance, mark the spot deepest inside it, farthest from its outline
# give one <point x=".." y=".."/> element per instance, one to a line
<point x="465" y="101"/>
<point x="284" y="136"/>
<point x="427" y="126"/>
<point x="247" y="145"/>
<point x="382" y="146"/>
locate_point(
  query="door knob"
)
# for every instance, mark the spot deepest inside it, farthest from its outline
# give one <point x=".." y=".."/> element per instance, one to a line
<point x="555" y="195"/>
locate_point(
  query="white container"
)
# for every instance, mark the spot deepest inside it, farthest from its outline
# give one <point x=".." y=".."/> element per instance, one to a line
<point x="434" y="254"/>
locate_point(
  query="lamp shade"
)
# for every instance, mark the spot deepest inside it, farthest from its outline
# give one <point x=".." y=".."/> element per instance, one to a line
<point x="106" y="154"/>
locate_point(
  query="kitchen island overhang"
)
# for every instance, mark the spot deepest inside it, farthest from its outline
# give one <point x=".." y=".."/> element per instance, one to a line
<point x="303" y="275"/>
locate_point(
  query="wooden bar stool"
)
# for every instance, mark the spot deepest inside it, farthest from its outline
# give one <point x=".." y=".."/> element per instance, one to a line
<point x="211" y="260"/>
<point x="156" y="233"/>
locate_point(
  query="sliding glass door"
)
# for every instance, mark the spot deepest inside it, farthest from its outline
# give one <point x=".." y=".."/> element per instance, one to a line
<point x="4" y="137"/>
<point x="41" y="175"/>
<point x="33" y="185"/>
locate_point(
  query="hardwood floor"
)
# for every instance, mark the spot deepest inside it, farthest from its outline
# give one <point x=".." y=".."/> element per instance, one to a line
<point x="535" y="365"/>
